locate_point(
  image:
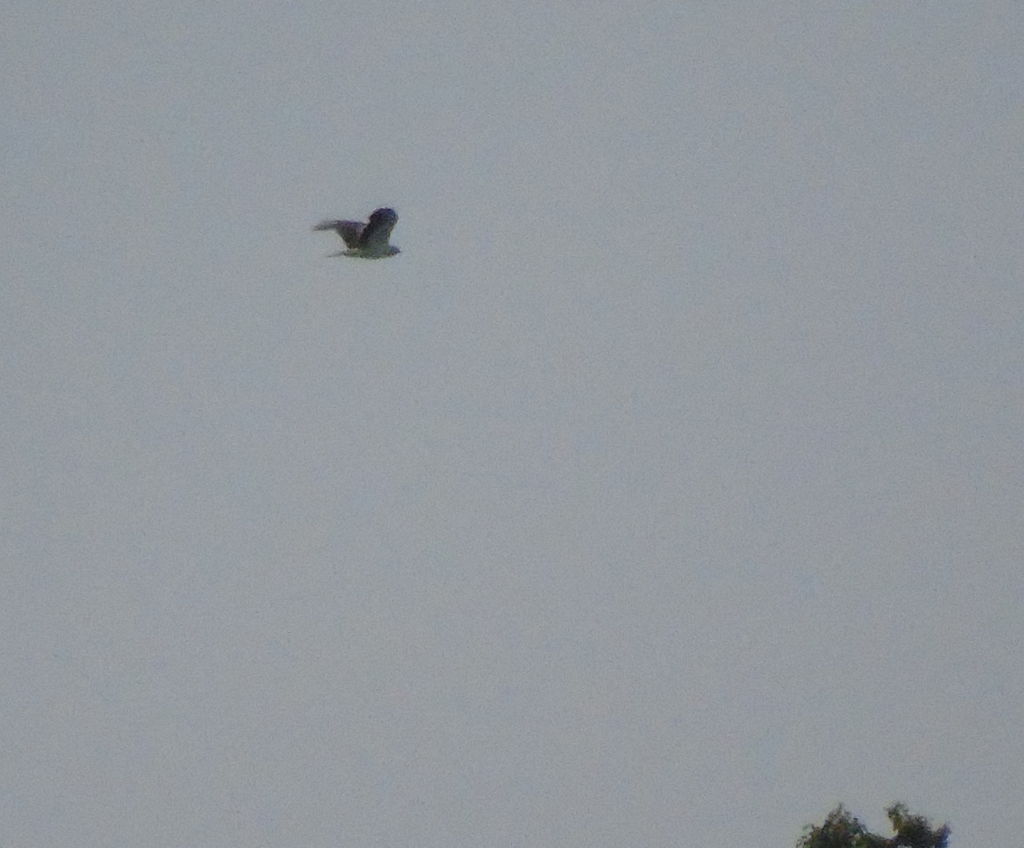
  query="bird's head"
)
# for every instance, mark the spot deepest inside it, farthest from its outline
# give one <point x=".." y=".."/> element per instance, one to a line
<point x="383" y="215"/>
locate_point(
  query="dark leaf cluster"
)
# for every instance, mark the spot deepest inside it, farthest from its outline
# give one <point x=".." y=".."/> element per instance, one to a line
<point x="841" y="829"/>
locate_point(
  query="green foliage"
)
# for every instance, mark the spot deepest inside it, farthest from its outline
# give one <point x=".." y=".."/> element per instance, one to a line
<point x="915" y="831"/>
<point x="841" y="829"/>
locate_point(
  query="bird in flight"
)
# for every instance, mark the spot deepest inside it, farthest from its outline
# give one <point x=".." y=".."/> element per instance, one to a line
<point x="369" y="240"/>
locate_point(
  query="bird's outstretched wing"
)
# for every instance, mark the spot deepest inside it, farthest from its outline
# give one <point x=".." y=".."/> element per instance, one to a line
<point x="374" y="236"/>
<point x="350" y="231"/>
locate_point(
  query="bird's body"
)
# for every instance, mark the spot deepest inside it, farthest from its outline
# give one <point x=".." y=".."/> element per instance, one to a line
<point x="369" y="240"/>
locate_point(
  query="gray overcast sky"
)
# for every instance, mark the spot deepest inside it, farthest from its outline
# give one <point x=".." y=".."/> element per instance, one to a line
<point x="665" y="491"/>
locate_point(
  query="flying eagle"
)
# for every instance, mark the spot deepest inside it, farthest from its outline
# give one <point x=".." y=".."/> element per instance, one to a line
<point x="369" y="240"/>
